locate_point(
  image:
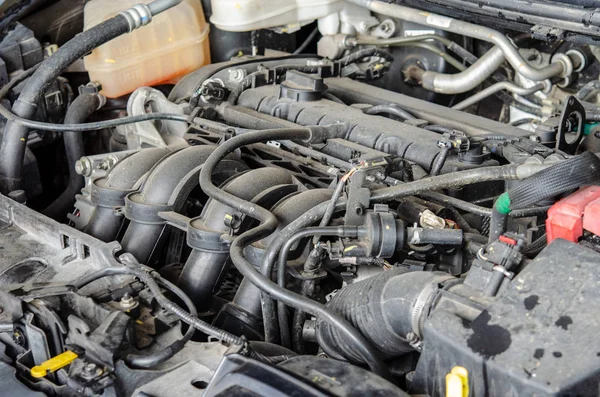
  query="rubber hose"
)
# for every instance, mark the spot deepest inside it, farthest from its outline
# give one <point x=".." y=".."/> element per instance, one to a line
<point x="152" y="360"/>
<point x="82" y="107"/>
<point x="268" y="223"/>
<point x="14" y="142"/>
<point x="393" y="110"/>
<point x="284" y="327"/>
<point x="498" y="223"/>
<point x="453" y="180"/>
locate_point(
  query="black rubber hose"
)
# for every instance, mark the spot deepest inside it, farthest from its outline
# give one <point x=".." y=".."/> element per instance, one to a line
<point x="393" y="110"/>
<point x="308" y="289"/>
<point x="440" y="129"/>
<point x="284" y="327"/>
<point x="14" y="142"/>
<point x="337" y="193"/>
<point x="453" y="180"/>
<point x="268" y="224"/>
<point x="82" y="107"/>
<point x="446" y="181"/>
<point x="439" y="161"/>
<point x="498" y="223"/>
<point x="152" y="360"/>
<point x="457" y="203"/>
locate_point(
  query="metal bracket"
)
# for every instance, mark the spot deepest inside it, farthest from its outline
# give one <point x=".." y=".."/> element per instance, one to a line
<point x="573" y="109"/>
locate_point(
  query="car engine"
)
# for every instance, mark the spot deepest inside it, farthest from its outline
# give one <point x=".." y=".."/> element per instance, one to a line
<point x="299" y="198"/>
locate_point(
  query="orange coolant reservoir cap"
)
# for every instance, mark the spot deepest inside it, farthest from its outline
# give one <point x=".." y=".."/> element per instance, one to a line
<point x="174" y="44"/>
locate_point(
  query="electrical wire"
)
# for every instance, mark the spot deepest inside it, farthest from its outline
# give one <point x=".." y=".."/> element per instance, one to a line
<point x="313" y="35"/>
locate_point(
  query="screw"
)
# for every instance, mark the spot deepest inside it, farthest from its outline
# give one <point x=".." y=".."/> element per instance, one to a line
<point x="359" y="209"/>
<point x="84" y="166"/>
<point x="90" y="371"/>
<point x="236" y="75"/>
<point x="19" y="338"/>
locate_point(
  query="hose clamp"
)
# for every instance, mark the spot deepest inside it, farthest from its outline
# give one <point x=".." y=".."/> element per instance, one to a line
<point x="137" y="16"/>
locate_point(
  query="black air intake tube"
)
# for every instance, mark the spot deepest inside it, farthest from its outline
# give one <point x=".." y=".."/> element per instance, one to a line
<point x="166" y="189"/>
<point x="109" y="193"/>
<point x="386" y="309"/>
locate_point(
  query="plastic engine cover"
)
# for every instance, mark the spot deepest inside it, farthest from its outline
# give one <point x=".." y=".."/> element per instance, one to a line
<point x="539" y="338"/>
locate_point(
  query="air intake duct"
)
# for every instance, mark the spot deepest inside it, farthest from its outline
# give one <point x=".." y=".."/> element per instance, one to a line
<point x="388" y="309"/>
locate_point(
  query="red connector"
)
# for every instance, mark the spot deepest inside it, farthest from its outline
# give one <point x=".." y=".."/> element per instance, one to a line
<point x="591" y="217"/>
<point x="566" y="217"/>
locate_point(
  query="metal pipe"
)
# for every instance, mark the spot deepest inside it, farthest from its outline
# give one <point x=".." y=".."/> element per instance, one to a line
<point x="158" y="6"/>
<point x="466" y="80"/>
<point x="491" y="90"/>
<point x="467" y="29"/>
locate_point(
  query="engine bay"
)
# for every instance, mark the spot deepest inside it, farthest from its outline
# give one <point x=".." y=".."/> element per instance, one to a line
<point x="299" y="198"/>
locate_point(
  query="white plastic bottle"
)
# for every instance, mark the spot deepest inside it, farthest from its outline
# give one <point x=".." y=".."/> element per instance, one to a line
<point x="247" y="15"/>
<point x="173" y="44"/>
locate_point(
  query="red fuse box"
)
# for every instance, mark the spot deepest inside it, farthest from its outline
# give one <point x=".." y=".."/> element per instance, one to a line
<point x="565" y="218"/>
<point x="591" y="217"/>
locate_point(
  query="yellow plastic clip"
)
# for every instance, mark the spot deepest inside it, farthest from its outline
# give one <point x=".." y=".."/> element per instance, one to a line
<point x="457" y="382"/>
<point x="54" y="364"/>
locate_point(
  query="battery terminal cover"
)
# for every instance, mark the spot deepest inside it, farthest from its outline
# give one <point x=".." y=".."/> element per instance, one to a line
<point x="569" y="217"/>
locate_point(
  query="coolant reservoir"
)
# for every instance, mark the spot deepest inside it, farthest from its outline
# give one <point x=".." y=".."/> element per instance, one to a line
<point x="173" y="44"/>
<point x="246" y="15"/>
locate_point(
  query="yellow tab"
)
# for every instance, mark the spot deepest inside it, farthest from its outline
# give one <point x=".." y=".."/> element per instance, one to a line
<point x="54" y="364"/>
<point x="457" y="382"/>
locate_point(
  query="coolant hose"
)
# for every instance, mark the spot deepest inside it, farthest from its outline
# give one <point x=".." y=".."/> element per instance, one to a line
<point x="14" y="142"/>
<point x="82" y="107"/>
<point x="268" y="224"/>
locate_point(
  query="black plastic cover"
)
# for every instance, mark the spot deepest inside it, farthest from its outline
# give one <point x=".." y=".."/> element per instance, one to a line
<point x="539" y="338"/>
<point x="308" y="376"/>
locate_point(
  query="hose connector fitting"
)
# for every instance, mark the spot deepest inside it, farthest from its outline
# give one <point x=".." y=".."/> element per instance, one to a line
<point x="137" y="16"/>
